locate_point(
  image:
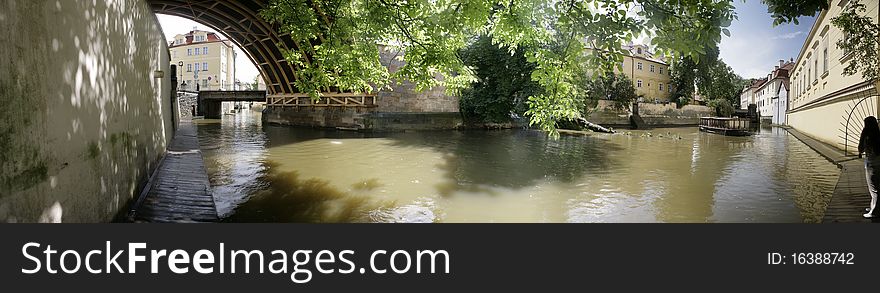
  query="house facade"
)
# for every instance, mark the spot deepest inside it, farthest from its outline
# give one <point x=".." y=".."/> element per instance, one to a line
<point x="821" y="96"/>
<point x="208" y="62"/>
<point x="767" y="95"/>
<point x="650" y="75"/>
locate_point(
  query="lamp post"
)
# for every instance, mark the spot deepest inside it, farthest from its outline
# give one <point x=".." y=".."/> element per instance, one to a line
<point x="196" y="78"/>
<point x="180" y="69"/>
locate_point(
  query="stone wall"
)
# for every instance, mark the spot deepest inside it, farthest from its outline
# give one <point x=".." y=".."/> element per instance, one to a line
<point x="401" y="108"/>
<point x="404" y="98"/>
<point x="185" y="103"/>
<point x="653" y="114"/>
<point x="87" y="108"/>
<point x="323" y="117"/>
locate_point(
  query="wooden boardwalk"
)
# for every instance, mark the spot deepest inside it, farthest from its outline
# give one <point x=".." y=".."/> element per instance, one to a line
<point x="850" y="197"/>
<point x="179" y="191"/>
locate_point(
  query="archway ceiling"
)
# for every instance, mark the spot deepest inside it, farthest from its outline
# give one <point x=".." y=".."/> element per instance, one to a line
<point x="239" y="20"/>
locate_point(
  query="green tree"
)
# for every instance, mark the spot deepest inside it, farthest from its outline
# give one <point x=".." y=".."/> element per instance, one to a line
<point x="784" y="11"/>
<point x="683" y="76"/>
<point x="503" y="82"/>
<point x="862" y="37"/>
<point x="256" y="84"/>
<point x="614" y="87"/>
<point x="337" y="40"/>
<point x="719" y="82"/>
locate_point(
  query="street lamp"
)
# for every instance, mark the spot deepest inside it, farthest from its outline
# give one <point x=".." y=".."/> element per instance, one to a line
<point x="180" y="69"/>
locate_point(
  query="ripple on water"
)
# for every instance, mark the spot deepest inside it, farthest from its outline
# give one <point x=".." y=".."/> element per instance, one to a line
<point x="511" y="176"/>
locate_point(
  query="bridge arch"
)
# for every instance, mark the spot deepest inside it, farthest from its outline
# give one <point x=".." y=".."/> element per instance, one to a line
<point x="239" y="20"/>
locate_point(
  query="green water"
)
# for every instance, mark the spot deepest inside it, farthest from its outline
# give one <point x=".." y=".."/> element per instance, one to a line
<point x="284" y="174"/>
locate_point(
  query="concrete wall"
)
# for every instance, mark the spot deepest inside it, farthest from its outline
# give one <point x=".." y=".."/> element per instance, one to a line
<point x="84" y="119"/>
<point x="824" y="122"/>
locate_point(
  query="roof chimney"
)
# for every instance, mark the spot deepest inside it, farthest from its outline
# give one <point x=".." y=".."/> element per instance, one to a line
<point x="780" y="63"/>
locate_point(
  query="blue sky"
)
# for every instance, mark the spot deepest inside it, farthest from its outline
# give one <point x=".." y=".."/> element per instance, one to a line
<point x="755" y="45"/>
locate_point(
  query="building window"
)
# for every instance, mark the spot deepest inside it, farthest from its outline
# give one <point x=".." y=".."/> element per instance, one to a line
<point x="197" y="51"/>
<point x="639" y="51"/>
<point x="661" y="86"/>
<point x="205" y="82"/>
<point x="825" y="59"/>
<point x="815" y="72"/>
<point x="640" y="66"/>
<point x="652" y="67"/>
<point x="639" y="83"/>
<point x="205" y="66"/>
<point x="189" y="67"/>
<point x="189" y="52"/>
<point x="661" y="70"/>
<point x="197" y="67"/>
<point x="205" y="51"/>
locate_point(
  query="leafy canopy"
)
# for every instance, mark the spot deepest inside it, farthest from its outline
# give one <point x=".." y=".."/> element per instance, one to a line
<point x="337" y="40"/>
<point x="503" y="83"/>
<point x="862" y="37"/>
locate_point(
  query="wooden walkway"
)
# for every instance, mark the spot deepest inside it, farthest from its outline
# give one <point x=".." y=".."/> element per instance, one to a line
<point x="850" y="197"/>
<point x="179" y="191"/>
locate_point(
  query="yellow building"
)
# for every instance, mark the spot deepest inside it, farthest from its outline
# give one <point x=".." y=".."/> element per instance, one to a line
<point x="650" y="75"/>
<point x="208" y="62"/>
<point x="822" y="97"/>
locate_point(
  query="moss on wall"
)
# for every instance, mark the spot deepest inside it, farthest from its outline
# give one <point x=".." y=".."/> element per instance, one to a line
<point x="21" y="163"/>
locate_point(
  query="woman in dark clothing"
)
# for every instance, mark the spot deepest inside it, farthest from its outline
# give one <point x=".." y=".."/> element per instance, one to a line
<point x="869" y="143"/>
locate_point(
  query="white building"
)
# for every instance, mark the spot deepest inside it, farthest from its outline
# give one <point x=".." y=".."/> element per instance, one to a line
<point x="822" y="97"/>
<point x="767" y="95"/>
<point x="747" y="97"/>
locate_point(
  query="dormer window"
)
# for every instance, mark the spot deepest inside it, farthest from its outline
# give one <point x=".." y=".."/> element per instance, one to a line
<point x="638" y="50"/>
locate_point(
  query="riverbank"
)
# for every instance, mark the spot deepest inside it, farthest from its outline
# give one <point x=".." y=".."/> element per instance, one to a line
<point x="850" y="196"/>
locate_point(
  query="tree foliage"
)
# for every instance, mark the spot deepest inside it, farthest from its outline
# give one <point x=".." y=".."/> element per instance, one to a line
<point x="862" y="36"/>
<point x="709" y="76"/>
<point x="719" y="82"/>
<point x="503" y="82"/>
<point x="614" y="87"/>
<point x="784" y="11"/>
<point x="336" y="40"/>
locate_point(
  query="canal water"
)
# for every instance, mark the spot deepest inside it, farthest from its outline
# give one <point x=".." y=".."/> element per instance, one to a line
<point x="273" y="173"/>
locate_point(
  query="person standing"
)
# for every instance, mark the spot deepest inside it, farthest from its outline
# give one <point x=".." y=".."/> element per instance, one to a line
<point x="869" y="143"/>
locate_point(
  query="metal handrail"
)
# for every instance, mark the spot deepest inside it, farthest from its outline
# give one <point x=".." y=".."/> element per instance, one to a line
<point x="848" y="119"/>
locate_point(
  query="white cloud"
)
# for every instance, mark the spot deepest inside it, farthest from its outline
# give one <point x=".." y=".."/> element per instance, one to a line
<point x="787" y="36"/>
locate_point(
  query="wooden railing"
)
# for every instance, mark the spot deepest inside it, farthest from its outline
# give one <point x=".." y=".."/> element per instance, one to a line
<point x="326" y="100"/>
<point x="726" y="123"/>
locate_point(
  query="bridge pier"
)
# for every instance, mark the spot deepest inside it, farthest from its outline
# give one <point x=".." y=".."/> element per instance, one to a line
<point x="211" y="109"/>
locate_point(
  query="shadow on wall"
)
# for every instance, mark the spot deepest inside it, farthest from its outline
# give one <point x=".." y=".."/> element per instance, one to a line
<point x="86" y="116"/>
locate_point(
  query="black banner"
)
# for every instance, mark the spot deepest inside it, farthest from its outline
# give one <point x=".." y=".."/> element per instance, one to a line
<point x="470" y="257"/>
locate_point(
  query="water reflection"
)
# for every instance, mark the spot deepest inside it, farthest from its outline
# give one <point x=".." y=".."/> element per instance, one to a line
<point x="275" y="173"/>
